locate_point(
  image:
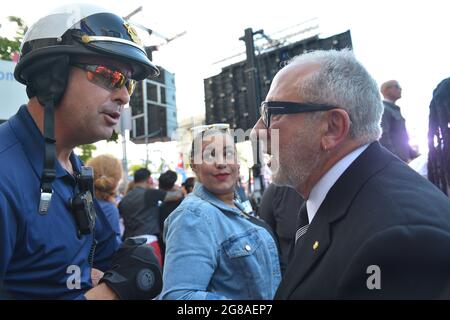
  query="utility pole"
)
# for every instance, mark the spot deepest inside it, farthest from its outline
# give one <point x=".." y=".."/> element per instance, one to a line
<point x="125" y="124"/>
<point x="254" y="100"/>
<point x="135" y="11"/>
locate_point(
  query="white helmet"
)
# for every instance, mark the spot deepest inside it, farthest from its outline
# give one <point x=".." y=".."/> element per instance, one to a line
<point x="83" y="29"/>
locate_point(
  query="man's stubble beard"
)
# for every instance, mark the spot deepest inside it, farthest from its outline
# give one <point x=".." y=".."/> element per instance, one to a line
<point x="301" y="157"/>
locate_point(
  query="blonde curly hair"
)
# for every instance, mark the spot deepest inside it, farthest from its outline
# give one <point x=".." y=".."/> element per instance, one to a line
<point x="107" y="175"/>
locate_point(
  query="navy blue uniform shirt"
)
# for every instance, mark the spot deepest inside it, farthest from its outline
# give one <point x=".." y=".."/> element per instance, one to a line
<point x="42" y="256"/>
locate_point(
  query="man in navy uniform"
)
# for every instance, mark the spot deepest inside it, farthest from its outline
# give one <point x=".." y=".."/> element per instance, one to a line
<point x="79" y="65"/>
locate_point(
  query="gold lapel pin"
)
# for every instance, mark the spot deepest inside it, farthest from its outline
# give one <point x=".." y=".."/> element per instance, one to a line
<point x="316" y="245"/>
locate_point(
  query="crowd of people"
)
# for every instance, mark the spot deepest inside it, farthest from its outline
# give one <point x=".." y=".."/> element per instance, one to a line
<point x="346" y="217"/>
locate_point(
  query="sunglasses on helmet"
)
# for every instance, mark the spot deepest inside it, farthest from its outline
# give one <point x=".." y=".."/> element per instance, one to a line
<point x="109" y="78"/>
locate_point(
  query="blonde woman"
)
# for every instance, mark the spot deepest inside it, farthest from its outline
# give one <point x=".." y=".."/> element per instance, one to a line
<point x="107" y="175"/>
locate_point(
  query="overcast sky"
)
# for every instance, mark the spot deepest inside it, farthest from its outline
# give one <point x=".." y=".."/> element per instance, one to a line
<point x="402" y="40"/>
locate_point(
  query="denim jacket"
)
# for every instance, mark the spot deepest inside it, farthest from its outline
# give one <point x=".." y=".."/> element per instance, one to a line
<point x="214" y="252"/>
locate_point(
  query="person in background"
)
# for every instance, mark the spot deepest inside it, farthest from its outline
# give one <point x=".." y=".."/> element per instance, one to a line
<point x="166" y="183"/>
<point x="139" y="209"/>
<point x="107" y="175"/>
<point x="439" y="137"/>
<point x="214" y="250"/>
<point x="279" y="207"/>
<point x="128" y="188"/>
<point x="188" y="185"/>
<point x="395" y="137"/>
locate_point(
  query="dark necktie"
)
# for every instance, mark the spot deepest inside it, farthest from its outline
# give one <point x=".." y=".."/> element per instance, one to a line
<point x="302" y="223"/>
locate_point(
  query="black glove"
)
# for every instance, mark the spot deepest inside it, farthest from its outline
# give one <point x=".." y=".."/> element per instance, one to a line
<point x="135" y="272"/>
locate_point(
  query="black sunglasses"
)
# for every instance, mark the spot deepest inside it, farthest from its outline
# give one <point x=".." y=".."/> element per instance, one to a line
<point x="268" y="108"/>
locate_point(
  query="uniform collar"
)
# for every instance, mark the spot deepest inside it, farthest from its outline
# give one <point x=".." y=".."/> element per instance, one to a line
<point x="32" y="141"/>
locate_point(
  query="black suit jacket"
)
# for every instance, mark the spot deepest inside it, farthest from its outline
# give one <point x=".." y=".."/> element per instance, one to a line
<point x="378" y="213"/>
<point x="395" y="137"/>
<point x="279" y="208"/>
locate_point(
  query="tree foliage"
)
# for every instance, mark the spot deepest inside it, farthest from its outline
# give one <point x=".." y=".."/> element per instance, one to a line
<point x="86" y="152"/>
<point x="9" y="46"/>
<point x="114" y="137"/>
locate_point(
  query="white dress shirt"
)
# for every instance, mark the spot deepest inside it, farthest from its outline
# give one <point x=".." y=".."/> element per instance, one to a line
<point x="321" y="188"/>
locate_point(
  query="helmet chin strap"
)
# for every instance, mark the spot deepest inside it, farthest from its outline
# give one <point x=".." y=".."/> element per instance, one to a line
<point x="48" y="83"/>
<point x="49" y="173"/>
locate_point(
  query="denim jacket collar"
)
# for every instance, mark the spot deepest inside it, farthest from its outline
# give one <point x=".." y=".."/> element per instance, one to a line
<point x="203" y="193"/>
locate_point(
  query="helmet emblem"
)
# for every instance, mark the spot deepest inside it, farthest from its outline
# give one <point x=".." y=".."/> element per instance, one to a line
<point x="132" y="32"/>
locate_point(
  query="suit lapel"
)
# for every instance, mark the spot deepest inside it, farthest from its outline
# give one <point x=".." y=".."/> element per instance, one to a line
<point x="317" y="240"/>
<point x="313" y="245"/>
